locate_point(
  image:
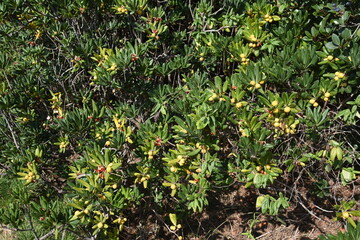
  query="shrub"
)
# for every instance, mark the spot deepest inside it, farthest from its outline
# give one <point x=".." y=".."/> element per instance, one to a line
<point x="112" y="107"/>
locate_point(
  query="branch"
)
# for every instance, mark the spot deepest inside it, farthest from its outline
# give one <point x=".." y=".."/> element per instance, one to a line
<point x="11" y="131"/>
<point x="218" y="30"/>
<point x="51" y="232"/>
<point x="32" y="226"/>
<point x="14" y="229"/>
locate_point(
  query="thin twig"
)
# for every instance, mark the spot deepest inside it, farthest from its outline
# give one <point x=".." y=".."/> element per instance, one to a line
<point x="11" y="131"/>
<point x="212" y="231"/>
<point x="263" y="235"/>
<point x="309" y="211"/>
<point x="324" y="210"/>
<point x="32" y="226"/>
<point x="51" y="232"/>
<point x="167" y="226"/>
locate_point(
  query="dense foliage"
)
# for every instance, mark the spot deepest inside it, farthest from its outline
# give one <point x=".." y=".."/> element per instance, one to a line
<point x="113" y="109"/>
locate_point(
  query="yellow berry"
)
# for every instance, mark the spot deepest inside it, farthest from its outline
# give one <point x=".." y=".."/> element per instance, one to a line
<point x="327" y="94"/>
<point x="315" y="104"/>
<point x="232" y="100"/>
<point x="312" y="101"/>
<point x="326" y="99"/>
<point x="100" y="225"/>
<point x="173" y="186"/>
<point x="330" y="58"/>
<point x="253" y="83"/>
<point x="277" y="120"/>
<point x="274" y="103"/>
<point x="238" y="105"/>
<point x="341" y="75"/>
<point x="276" y="124"/>
<point x="257" y="86"/>
<point x="287" y="109"/>
<point x="345" y="215"/>
<point x="182" y="162"/>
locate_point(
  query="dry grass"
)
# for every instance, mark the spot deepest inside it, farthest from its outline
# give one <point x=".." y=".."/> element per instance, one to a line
<point x="6" y="235"/>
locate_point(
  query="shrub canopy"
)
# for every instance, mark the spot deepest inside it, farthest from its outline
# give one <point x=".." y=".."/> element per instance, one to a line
<point x="116" y="110"/>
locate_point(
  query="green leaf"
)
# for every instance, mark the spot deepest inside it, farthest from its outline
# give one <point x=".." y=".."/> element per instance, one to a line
<point x="218" y="83"/>
<point x="202" y="123"/>
<point x="351" y="221"/>
<point x="173" y="218"/>
<point x="339" y="153"/>
<point x="74" y="205"/>
<point x="331" y="46"/>
<point x="259" y="201"/>
<point x="355" y="213"/>
<point x="333" y="153"/>
<point x="346" y="34"/>
<point x="347" y="175"/>
<point x="56" y="233"/>
<point x="82" y="182"/>
<point x="335" y="39"/>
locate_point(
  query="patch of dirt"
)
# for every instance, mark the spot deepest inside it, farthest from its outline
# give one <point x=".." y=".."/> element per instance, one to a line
<point x="230" y="214"/>
<point x="229" y="217"/>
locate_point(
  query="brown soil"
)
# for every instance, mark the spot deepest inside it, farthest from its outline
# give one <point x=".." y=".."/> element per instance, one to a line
<point x="229" y="216"/>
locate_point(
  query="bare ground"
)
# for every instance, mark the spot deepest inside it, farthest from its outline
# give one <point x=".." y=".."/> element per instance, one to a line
<point x="229" y="216"/>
